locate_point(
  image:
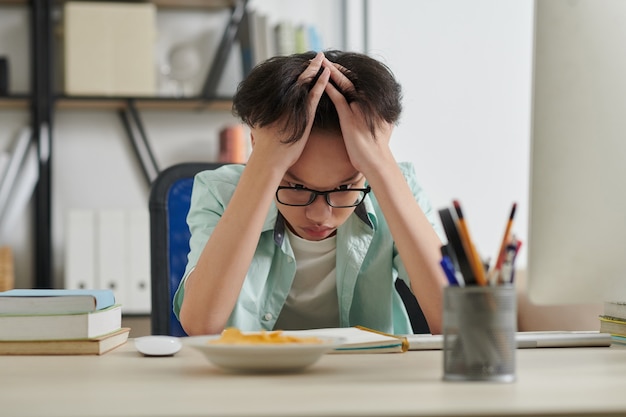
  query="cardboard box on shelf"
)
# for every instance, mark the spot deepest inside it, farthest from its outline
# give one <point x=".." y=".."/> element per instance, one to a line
<point x="109" y="49"/>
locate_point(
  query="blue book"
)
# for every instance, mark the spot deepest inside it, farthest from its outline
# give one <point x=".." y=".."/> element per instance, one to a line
<point x="54" y="301"/>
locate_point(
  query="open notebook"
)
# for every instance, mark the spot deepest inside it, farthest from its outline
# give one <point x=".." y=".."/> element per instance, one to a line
<point x="542" y="339"/>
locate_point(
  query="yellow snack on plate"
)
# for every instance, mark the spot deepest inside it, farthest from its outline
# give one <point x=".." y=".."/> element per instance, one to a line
<point x="232" y="336"/>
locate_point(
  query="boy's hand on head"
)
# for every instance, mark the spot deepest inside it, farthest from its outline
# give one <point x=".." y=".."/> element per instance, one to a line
<point x="364" y="149"/>
<point x="267" y="140"/>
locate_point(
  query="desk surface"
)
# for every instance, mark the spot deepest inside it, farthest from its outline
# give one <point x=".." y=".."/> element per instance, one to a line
<point x="569" y="381"/>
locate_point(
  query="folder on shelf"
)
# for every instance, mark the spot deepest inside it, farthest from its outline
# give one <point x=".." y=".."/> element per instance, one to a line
<point x="112" y="250"/>
<point x="13" y="166"/>
<point x="139" y="295"/>
<point x="20" y="191"/>
<point x="80" y="269"/>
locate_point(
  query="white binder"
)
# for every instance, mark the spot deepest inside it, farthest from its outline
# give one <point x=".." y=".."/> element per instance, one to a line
<point x="139" y="295"/>
<point x="112" y="251"/>
<point x="80" y="250"/>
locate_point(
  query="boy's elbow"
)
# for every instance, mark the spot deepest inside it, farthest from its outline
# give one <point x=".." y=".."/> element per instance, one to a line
<point x="194" y="326"/>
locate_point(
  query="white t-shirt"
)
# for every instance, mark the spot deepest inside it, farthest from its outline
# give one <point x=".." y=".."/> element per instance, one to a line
<point x="312" y="300"/>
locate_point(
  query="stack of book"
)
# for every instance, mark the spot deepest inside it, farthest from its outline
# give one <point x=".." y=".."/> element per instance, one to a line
<point x="60" y="322"/>
<point x="613" y="321"/>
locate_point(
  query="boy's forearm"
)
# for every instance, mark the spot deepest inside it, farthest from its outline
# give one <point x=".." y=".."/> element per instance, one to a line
<point x="415" y="238"/>
<point x="212" y="289"/>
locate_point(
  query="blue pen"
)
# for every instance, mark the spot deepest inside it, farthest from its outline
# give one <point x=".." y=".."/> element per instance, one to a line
<point x="448" y="268"/>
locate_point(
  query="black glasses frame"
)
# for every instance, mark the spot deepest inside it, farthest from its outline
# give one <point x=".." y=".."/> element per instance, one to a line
<point x="315" y="193"/>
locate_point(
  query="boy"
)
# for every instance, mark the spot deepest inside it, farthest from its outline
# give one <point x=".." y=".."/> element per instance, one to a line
<point x="313" y="231"/>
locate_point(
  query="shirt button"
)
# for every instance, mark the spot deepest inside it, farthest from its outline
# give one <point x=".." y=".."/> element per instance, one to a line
<point x="267" y="316"/>
<point x="290" y="260"/>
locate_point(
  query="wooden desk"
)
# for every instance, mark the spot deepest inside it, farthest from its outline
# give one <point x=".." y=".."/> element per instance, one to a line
<point x="571" y="381"/>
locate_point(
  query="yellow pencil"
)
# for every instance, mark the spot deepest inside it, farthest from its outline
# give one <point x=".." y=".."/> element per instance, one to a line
<point x="505" y="241"/>
<point x="472" y="254"/>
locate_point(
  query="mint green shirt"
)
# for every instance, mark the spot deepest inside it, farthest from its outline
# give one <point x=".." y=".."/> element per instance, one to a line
<point x="368" y="262"/>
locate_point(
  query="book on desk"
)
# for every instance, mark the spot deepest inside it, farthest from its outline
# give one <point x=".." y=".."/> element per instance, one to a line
<point x="358" y="339"/>
<point x="60" y="322"/>
<point x="90" y="346"/>
<point x="613" y="321"/>
<point x="54" y="301"/>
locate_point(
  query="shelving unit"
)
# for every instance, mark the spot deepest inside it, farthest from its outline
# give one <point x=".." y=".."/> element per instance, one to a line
<point x="42" y="101"/>
<point x="15" y="102"/>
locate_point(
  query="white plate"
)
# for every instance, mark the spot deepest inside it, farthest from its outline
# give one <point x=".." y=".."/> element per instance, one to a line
<point x="287" y="357"/>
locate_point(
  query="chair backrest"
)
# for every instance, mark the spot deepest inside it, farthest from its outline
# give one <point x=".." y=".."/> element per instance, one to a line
<point x="170" y="197"/>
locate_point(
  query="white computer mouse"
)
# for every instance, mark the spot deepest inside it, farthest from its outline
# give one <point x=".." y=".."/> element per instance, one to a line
<point x="158" y="345"/>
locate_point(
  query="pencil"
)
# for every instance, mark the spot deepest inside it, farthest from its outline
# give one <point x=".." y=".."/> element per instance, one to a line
<point x="472" y="254"/>
<point x="505" y="241"/>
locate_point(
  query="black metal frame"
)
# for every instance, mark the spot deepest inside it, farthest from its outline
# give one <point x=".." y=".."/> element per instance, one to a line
<point x="42" y="75"/>
<point x="131" y="118"/>
<point x="42" y="109"/>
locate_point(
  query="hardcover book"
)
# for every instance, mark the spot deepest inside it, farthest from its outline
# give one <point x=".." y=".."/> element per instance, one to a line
<point x="615" y="309"/>
<point x="613" y="325"/>
<point x="61" y="326"/>
<point x="359" y="339"/>
<point x="93" y="346"/>
<point x="55" y="301"/>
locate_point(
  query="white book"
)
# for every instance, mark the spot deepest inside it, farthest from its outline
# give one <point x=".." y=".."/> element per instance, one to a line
<point x="4" y="163"/>
<point x="112" y="250"/>
<point x="21" y="192"/>
<point x="270" y="37"/>
<point x="259" y="38"/>
<point x="615" y="309"/>
<point x="139" y="295"/>
<point x="80" y="250"/>
<point x="357" y="339"/>
<point x="18" y="153"/>
<point x="285" y="38"/>
<point x="61" y="326"/>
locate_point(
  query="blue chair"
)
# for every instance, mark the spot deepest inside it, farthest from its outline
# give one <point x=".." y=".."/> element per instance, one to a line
<point x="170" y="198"/>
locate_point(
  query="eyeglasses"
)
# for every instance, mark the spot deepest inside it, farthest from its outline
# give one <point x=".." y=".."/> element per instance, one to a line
<point x="300" y="196"/>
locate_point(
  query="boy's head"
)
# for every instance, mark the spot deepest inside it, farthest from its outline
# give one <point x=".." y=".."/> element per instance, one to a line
<point x="271" y="92"/>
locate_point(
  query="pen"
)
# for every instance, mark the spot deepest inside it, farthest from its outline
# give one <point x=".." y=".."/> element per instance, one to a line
<point x="474" y="258"/>
<point x="493" y="275"/>
<point x="508" y="266"/>
<point x="448" y="268"/>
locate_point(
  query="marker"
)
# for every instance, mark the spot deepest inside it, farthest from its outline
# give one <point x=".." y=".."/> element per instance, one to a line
<point x="448" y="268"/>
<point x="456" y="246"/>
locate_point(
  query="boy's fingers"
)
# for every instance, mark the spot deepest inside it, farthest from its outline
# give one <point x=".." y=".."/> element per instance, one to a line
<point x="318" y="89"/>
<point x="314" y="66"/>
<point x="337" y="75"/>
<point x="338" y="99"/>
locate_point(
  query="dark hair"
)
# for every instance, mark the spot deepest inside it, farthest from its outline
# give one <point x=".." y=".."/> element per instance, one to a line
<point x="271" y="93"/>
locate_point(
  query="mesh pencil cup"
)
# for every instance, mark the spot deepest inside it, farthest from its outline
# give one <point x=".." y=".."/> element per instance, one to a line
<point x="479" y="325"/>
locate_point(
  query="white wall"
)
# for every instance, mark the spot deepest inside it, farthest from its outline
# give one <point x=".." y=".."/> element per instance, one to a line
<point x="465" y="68"/>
